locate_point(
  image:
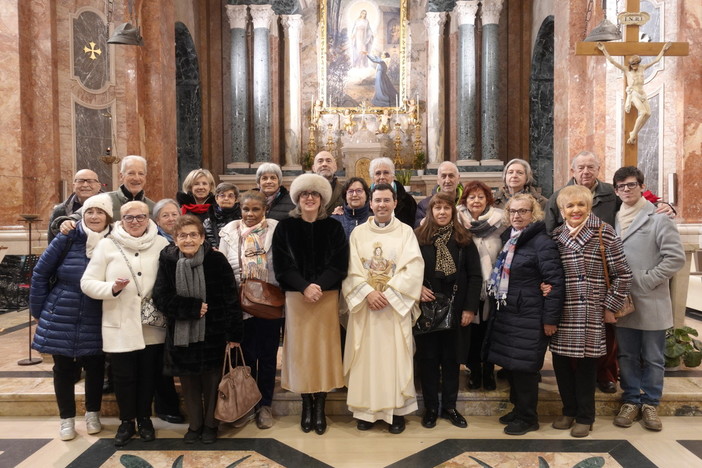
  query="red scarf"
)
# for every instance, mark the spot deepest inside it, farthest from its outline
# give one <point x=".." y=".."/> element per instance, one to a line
<point x="195" y="208"/>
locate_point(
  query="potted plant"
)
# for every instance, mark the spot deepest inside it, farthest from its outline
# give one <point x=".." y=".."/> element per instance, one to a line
<point x="404" y="176"/>
<point x="307" y="161"/>
<point x="680" y="347"/>
<point x="419" y="162"/>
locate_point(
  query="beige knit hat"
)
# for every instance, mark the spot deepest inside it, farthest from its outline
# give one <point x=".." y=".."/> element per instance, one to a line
<point x="313" y="183"/>
<point x="102" y="201"/>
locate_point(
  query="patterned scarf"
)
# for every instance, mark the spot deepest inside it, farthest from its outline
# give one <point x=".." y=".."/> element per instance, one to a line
<point x="253" y="251"/>
<point x="498" y="285"/>
<point x="190" y="282"/>
<point x="444" y="259"/>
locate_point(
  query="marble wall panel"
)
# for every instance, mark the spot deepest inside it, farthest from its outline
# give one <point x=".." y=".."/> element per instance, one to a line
<point x="541" y="108"/>
<point x="649" y="147"/>
<point x="188" y="103"/>
<point x="93" y="135"/>
<point x="91" y="57"/>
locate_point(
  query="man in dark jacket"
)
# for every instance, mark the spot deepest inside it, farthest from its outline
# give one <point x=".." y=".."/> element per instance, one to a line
<point x="325" y="165"/>
<point x="448" y="180"/>
<point x="85" y="185"/>
<point x="382" y="171"/>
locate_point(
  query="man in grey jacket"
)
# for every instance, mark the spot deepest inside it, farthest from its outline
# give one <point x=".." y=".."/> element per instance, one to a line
<point x="655" y="253"/>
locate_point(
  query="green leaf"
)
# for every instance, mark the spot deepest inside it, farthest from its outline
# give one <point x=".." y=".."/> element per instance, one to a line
<point x="693" y="359"/>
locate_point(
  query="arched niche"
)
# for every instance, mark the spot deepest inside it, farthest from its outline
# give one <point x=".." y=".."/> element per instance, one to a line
<point x="541" y="108"/>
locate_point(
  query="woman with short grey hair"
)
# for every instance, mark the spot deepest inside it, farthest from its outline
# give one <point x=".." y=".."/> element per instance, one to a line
<point x="269" y="179"/>
<point x="517" y="177"/>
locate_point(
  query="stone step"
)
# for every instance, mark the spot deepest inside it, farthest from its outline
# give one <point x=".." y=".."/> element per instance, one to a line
<point x="682" y="397"/>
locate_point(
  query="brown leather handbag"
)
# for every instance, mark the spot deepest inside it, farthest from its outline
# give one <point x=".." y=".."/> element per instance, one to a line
<point x="628" y="306"/>
<point x="261" y="299"/>
<point x="238" y="392"/>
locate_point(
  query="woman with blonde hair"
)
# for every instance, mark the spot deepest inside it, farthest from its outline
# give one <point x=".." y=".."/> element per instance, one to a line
<point x="589" y="304"/>
<point x="197" y="197"/>
<point x="523" y="318"/>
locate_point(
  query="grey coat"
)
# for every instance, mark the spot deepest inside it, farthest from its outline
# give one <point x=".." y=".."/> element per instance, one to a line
<point x="655" y="253"/>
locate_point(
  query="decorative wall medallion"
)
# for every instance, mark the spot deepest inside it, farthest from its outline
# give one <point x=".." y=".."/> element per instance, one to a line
<point x="92" y="51"/>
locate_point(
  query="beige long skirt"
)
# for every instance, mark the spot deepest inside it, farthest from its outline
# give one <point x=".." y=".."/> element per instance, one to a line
<point x="312" y="345"/>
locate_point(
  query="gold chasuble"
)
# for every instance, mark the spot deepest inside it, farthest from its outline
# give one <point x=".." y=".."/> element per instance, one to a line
<point x="378" y="365"/>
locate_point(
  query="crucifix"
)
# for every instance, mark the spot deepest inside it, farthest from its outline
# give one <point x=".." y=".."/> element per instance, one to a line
<point x="630" y="49"/>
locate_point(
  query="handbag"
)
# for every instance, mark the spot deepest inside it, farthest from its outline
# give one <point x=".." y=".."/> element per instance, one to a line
<point x="628" y="306"/>
<point x="150" y="315"/>
<point x="261" y="299"/>
<point x="237" y="393"/>
<point x="435" y="315"/>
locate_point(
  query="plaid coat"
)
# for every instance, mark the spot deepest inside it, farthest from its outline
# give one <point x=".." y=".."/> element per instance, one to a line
<point x="581" y="331"/>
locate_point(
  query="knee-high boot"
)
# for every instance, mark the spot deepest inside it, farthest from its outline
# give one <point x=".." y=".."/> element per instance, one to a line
<point x="306" y="419"/>
<point x="320" y="419"/>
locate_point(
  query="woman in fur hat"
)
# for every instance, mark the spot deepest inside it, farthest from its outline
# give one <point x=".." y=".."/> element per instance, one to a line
<point x="310" y="259"/>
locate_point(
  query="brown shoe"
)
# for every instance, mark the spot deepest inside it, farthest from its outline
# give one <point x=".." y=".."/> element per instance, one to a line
<point x="651" y="421"/>
<point x="264" y="417"/>
<point x="563" y="422"/>
<point x="580" y="430"/>
<point x="628" y="413"/>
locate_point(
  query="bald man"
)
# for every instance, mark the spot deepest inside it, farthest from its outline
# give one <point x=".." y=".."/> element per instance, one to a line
<point x="85" y="184"/>
<point x="448" y="180"/>
<point x="325" y="165"/>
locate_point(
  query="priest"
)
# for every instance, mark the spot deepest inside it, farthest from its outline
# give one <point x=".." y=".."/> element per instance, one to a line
<point x="382" y="289"/>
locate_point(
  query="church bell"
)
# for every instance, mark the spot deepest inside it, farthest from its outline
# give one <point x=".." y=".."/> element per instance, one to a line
<point x="126" y="34"/>
<point x="604" y="32"/>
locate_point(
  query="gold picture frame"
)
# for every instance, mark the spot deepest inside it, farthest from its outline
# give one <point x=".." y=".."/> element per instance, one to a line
<point x="363" y="55"/>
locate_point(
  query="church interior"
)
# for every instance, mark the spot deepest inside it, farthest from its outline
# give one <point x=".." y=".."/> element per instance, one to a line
<point x="227" y="85"/>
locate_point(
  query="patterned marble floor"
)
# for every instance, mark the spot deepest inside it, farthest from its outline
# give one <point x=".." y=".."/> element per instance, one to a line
<point x="31" y="442"/>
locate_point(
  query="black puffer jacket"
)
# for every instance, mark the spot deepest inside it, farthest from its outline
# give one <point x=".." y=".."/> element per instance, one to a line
<point x="223" y="318"/>
<point x="516" y="339"/>
<point x="220" y="218"/>
<point x="281" y="206"/>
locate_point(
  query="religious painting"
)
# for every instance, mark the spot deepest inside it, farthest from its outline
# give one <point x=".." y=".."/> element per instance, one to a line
<point x="363" y="53"/>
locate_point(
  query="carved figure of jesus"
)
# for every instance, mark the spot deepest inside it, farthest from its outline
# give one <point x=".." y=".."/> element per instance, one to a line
<point x="635" y="94"/>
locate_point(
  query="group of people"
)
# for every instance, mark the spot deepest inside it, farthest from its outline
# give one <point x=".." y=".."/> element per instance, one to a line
<point x="355" y="263"/>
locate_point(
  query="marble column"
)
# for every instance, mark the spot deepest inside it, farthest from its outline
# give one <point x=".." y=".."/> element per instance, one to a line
<point x="293" y="121"/>
<point x="489" y="77"/>
<point x="434" y="22"/>
<point x="261" y="15"/>
<point x="239" y="77"/>
<point x="466" y="79"/>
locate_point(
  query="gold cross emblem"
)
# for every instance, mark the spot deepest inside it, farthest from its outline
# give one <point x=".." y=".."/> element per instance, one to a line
<point x="92" y="51"/>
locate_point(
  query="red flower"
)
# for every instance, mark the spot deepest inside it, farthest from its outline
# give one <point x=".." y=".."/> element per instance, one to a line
<point x="650" y="196"/>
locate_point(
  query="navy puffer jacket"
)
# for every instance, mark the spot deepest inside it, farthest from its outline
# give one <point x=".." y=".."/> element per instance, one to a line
<point x="516" y="339"/>
<point x="69" y="321"/>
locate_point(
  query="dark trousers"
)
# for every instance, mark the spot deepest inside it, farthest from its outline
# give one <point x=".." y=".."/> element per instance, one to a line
<point x="475" y="350"/>
<point x="436" y="358"/>
<point x="65" y="369"/>
<point x="260" y="348"/>
<point x="166" y="399"/>
<point x="608" y="366"/>
<point x="200" y="398"/>
<point x="576" y="378"/>
<point x="134" y="376"/>
<point x="524" y="394"/>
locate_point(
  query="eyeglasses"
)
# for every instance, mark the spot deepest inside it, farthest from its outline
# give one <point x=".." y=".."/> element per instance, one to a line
<point x="355" y="191"/>
<point x="188" y="235"/>
<point x="629" y="185"/>
<point x="138" y="218"/>
<point x="520" y="212"/>
<point x="227" y="195"/>
<point x="312" y="194"/>
<point x="86" y="181"/>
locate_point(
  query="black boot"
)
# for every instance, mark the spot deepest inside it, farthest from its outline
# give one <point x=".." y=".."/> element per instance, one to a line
<point x="320" y="419"/>
<point x="475" y="379"/>
<point x="306" y="420"/>
<point x="489" y="377"/>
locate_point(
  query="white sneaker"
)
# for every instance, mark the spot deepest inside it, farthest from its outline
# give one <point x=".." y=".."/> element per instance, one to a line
<point x="68" y="429"/>
<point x="92" y="422"/>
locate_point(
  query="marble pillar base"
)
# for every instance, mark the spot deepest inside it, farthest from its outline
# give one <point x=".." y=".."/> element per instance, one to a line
<point x="492" y="162"/>
<point x="467" y="163"/>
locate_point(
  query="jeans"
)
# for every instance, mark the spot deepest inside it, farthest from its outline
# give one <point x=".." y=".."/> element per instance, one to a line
<point x="641" y="365"/>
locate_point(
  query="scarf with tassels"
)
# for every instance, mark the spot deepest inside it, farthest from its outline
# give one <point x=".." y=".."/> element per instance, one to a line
<point x="190" y="282"/>
<point x="254" y="263"/>
<point x="498" y="285"/>
<point x="444" y="259"/>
